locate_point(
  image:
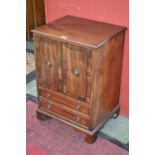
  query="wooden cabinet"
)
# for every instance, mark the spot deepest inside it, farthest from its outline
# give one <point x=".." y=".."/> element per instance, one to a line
<point x="78" y="64"/>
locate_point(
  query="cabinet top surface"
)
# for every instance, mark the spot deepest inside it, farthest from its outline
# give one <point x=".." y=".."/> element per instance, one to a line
<point x="79" y="30"/>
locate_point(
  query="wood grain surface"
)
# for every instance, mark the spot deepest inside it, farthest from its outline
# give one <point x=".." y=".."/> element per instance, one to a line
<point x="79" y="85"/>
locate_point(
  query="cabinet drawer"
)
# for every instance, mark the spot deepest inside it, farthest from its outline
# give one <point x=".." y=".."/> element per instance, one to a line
<point x="65" y="101"/>
<point x="63" y="113"/>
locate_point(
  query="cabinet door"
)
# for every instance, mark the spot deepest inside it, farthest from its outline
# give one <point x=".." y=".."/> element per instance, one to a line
<point x="49" y="64"/>
<point x="74" y="71"/>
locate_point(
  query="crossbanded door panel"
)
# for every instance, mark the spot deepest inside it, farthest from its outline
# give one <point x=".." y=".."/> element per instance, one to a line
<point x="74" y="71"/>
<point x="49" y="64"/>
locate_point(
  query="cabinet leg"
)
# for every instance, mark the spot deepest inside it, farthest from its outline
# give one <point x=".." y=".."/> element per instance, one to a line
<point x="77" y="130"/>
<point x="41" y="116"/>
<point x="91" y="138"/>
<point x="116" y="114"/>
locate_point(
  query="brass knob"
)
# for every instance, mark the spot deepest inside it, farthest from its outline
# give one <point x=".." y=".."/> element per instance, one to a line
<point x="49" y="96"/>
<point x="78" y="119"/>
<point x="49" y="107"/>
<point x="78" y="107"/>
<point x="76" y="73"/>
<point x="49" y="63"/>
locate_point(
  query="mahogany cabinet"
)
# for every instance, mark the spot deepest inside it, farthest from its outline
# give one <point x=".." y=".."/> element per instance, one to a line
<point x="79" y="63"/>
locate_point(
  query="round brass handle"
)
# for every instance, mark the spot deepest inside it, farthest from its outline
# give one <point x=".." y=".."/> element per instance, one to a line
<point x="49" y="63"/>
<point x="49" y="107"/>
<point x="49" y="96"/>
<point x="76" y="73"/>
<point x="78" y="119"/>
<point x="78" y="107"/>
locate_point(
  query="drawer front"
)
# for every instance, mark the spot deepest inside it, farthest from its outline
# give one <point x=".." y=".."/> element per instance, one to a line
<point x="75" y="66"/>
<point x="62" y="113"/>
<point x="48" y="54"/>
<point x="65" y="101"/>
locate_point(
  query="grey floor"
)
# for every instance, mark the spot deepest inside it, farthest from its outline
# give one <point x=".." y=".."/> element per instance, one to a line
<point x="29" y="45"/>
<point x="115" y="128"/>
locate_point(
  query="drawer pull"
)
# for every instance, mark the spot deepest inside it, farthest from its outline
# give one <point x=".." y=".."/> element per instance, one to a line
<point x="76" y="73"/>
<point x="77" y="119"/>
<point x="49" y="96"/>
<point x="78" y="107"/>
<point x="49" y="63"/>
<point x="49" y="107"/>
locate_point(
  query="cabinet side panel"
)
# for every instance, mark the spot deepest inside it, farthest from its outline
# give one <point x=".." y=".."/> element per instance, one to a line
<point x="107" y="69"/>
